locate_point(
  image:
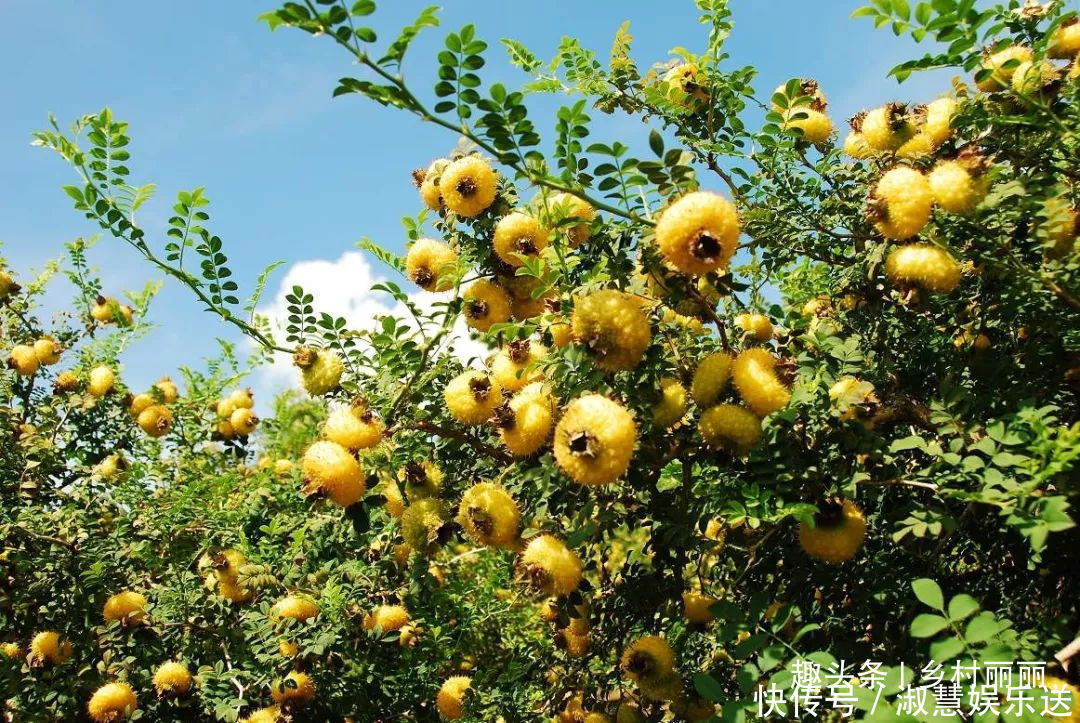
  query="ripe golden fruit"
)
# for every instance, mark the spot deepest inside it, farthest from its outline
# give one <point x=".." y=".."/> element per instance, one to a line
<point x="562" y="207"/>
<point x="550" y="567"/>
<point x="353" y="427"/>
<point x="710" y="378"/>
<point x="489" y="515"/>
<point x="111" y="702"/>
<point x="47" y="647"/>
<point x="7" y="285"/>
<point x="320" y="369"/>
<point x="594" y="441"/>
<point x="243" y="421"/>
<point x="294" y="607"/>
<point x="808" y="88"/>
<point x="155" y="420"/>
<point x="271" y="714"/>
<point x="958" y="186"/>
<point x="107" y="310"/>
<point x="224" y="407"/>
<point x="288" y="649"/>
<point x="430" y="265"/>
<point x="422" y="479"/>
<point x="611" y="325"/>
<point x="696" y="607"/>
<point x="388" y="618"/>
<point x="172" y="678"/>
<point x="754" y="375"/>
<point x="485" y="304"/>
<point x="47" y="351"/>
<point x="139" y="402"/>
<point x="516" y="235"/>
<point x="698" y="233"/>
<point x="472" y="396"/>
<point x="423" y="525"/>
<point x="296" y="688"/>
<point x="101" y="381"/>
<point x="66" y="381"/>
<point x="429" y="185"/>
<point x="521" y="291"/>
<point x="855" y="145"/>
<point x="451" y="697"/>
<point x="468" y="186"/>
<point x="814" y="124"/>
<point x="670" y="408"/>
<point x="11" y="650"/>
<point x="838" y="532"/>
<point x="684" y="84"/>
<point x="1000" y="76"/>
<point x="648" y="659"/>
<point x="730" y="427"/>
<point x="111" y="466"/>
<point x="168" y="390"/>
<point x="510" y="366"/>
<point x="920" y="146"/>
<point x="757" y="327"/>
<point x="922" y="265"/>
<point x="899" y="205"/>
<point x="23" y="360"/>
<point x="1065" y="42"/>
<point x="329" y="469"/>
<point x="524" y="423"/>
<point x="887" y="128"/>
<point x="1032" y="77"/>
<point x="127" y="607"/>
<point x="938" y="122"/>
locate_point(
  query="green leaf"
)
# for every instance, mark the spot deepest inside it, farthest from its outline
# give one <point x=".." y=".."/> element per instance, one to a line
<point x="946" y="649"/>
<point x="962" y="606"/>
<point x="929" y="593"/>
<point x="708" y="688"/>
<point x="927" y="626"/>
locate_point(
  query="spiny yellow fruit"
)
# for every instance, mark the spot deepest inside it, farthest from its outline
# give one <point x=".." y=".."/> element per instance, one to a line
<point x="899" y="205"/>
<point x="23" y="360"/>
<point x="329" y="469"/>
<point x="66" y="381"/>
<point x="429" y="185"/>
<point x="1031" y="77"/>
<point x="757" y="327"/>
<point x="423" y="525"/>
<point x="887" y="128"/>
<point x="127" y="606"/>
<point x="597" y="718"/>
<point x="451" y="697"/>
<point x="710" y="378"/>
<point x="518" y="234"/>
<point x="670" y="408"/>
<point x="999" y="75"/>
<point x="938" y="122"/>
<point x="551" y="567"/>
<point x="47" y="351"/>
<point x="855" y="145"/>
<point x="730" y="427"/>
<point x="562" y="334"/>
<point x="243" y="421"/>
<point x="388" y="618"/>
<point x="838" y="532"/>
<point x="1053" y="682"/>
<point x="224" y="407"/>
<point x="509" y="365"/>
<point x="929" y="267"/>
<point x="814" y="124"/>
<point x="294" y="607"/>
<point x="156" y="420"/>
<point x="111" y="702"/>
<point x="240" y="398"/>
<point x="47" y="647"/>
<point x="648" y="659"/>
<point x="353" y="427"/>
<point x="227" y="563"/>
<point x="271" y="714"/>
<point x="577" y="646"/>
<point x="485" y="303"/>
<point x="234" y="592"/>
<point x="684" y="87"/>
<point x="168" y="390"/>
<point x="562" y="207"/>
<point x="524" y="423"/>
<point x="296" y="688"/>
<point x="847" y="394"/>
<point x="107" y="310"/>
<point x="10" y="650"/>
<point x="7" y="285"/>
<point x="468" y="186"/>
<point x="959" y="185"/>
<point x="101" y="381"/>
<point x="320" y="369"/>
<point x="521" y="290"/>
<point x="808" y="88"/>
<point x="594" y="440"/>
<point x="489" y="515"/>
<point x="472" y="397"/>
<point x="1065" y="42"/>
<point x="429" y="264"/>
<point x="754" y="376"/>
<point x="611" y="325"/>
<point x="696" y="607"/>
<point x="283" y="467"/>
<point x="920" y="146"/>
<point x="172" y="678"/>
<point x="288" y="649"/>
<point x="698" y="233"/>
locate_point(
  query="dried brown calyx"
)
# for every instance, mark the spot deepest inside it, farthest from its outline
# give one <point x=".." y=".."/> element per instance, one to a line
<point x="518" y="351"/>
<point x="504" y="417"/>
<point x="830" y="513"/>
<point x="553" y="306"/>
<point x="480" y="388"/>
<point x="466" y="187"/>
<point x="856" y="121"/>
<point x="481" y="521"/>
<point x="304" y="357"/>
<point x="418" y="176"/>
<point x="705" y="246"/>
<point x="476" y="309"/>
<point x="526" y="245"/>
<point x="973" y="161"/>
<point x="583" y="444"/>
<point x="896" y="115"/>
<point x="424" y="278"/>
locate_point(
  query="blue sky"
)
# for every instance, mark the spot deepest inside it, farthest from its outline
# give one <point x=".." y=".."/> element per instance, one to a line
<point x="215" y="99"/>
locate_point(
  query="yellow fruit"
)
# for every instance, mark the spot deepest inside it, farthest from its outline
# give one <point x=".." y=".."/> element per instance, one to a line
<point x="684" y="87"/>
<point x="424" y="524"/>
<point x="271" y="714"/>
<point x="472" y="397"/>
<point x="563" y="207"/>
<point x="47" y="351"/>
<point x="899" y="205"/>
<point x="698" y="233"/>
<point x="1000" y="76"/>
<point x="838" y="532"/>
<point x="577" y="646"/>
<point x="648" y="659"/>
<point x="172" y="678"/>
<point x="66" y="381"/>
<point x="730" y="427"/>
<point x="243" y="421"/>
<point x="757" y="327"/>
<point x="1052" y="683"/>
<point x="629" y="713"/>
<point x="127" y="607"/>
<point x="430" y="265"/>
<point x="288" y="649"/>
<point x="296" y="687"/>
<point x="920" y="146"/>
<point x="562" y="334"/>
<point x="224" y="407"/>
<point x="1058" y="226"/>
<point x="517" y="235"/>
<point x="594" y="441"/>
<point x="938" y="122"/>
<point x="929" y="267"/>
<point x="107" y="310"/>
<point x="489" y="515"/>
<point x="283" y="467"/>
<point x="468" y="186"/>
<point x="422" y="479"/>
<point x="47" y="647"/>
<point x="111" y="702"/>
<point x="329" y="469"/>
<point x="1065" y="42"/>
<point x="294" y="607"/>
<point x="855" y="145"/>
<point x="598" y="718"/>
<point x="225" y="429"/>
<point x="353" y="427"/>
<point x="814" y="124"/>
<point x="388" y="618"/>
<point x="320" y="369"/>
<point x="7" y="285"/>
<point x="23" y="360"/>
<point x="958" y="186"/>
<point x="485" y="303"/>
<point x="156" y="420"/>
<point x="808" y="88"/>
<point x="451" y="697"/>
<point x="551" y="567"/>
<point x="227" y="564"/>
<point x="524" y="423"/>
<point x="101" y="381"/>
<point x="11" y="650"/>
<point x="611" y="325"/>
<point x="710" y="378"/>
<point x="696" y="607"/>
<point x="521" y="290"/>
<point x="1031" y="77"/>
<point x="509" y="366"/>
<point x="240" y="398"/>
<point x="847" y="393"/>
<point x="234" y="592"/>
<point x="168" y="390"/>
<point x="429" y="184"/>
<point x="887" y="128"/>
<point x="754" y="376"/>
<point x="671" y="406"/>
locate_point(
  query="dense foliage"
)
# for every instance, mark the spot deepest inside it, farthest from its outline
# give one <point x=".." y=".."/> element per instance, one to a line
<point x="748" y="398"/>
